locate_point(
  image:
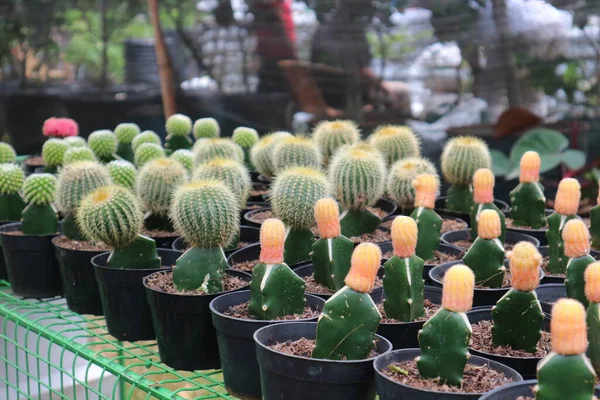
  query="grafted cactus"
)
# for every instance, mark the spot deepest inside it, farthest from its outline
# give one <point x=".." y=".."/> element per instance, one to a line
<point x="565" y="206"/>
<point x="261" y="154"/>
<point x="11" y="202"/>
<point x="39" y="217"/>
<point x="178" y="129"/>
<point x="217" y="148"/>
<point x="122" y="173"/>
<point x="399" y="186"/>
<point x="75" y="141"/>
<point x="125" y="133"/>
<point x="395" y="143"/>
<point x="185" y="158"/>
<point x="7" y="153"/>
<point x="75" y="154"/>
<point x="206" y="128"/>
<point x="483" y="195"/>
<point x="331" y="135"/>
<point x="592" y="294"/>
<point x="145" y="137"/>
<point x="295" y="151"/>
<point x="147" y="152"/>
<point x="528" y="203"/>
<point x="246" y="138"/>
<point x="576" y="238"/>
<point x="233" y="174"/>
<point x="53" y="152"/>
<point x="104" y="145"/>
<point x="428" y="221"/>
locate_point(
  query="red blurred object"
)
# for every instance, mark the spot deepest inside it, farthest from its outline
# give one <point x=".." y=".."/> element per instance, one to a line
<point x="60" y="127"/>
<point x="514" y="120"/>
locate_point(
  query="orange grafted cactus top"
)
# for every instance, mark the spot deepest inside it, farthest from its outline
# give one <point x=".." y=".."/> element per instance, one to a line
<point x="568" y="327"/>
<point x="567" y="197"/>
<point x="483" y="186"/>
<point x="488" y="225"/>
<point x="272" y="239"/>
<point x="592" y="282"/>
<point x="577" y="238"/>
<point x="365" y="263"/>
<point x="327" y="214"/>
<point x="426" y="188"/>
<point x="457" y="294"/>
<point x="525" y="261"/>
<point x="530" y="167"/>
<point x="404" y="236"/>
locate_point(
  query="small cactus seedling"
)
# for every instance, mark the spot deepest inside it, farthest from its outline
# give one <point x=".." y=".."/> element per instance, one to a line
<point x="122" y="173"/>
<point x="207" y="229"/>
<point x="113" y="215"/>
<point x="185" y="158"/>
<point x="462" y="156"/>
<point x="261" y="154"/>
<point x="145" y="137"/>
<point x="178" y="129"/>
<point x="346" y="327"/>
<point x="296" y="151"/>
<point x="444" y="339"/>
<point x="233" y="174"/>
<point x="429" y="223"/>
<point x="53" y="152"/>
<point x="11" y="202"/>
<point x="125" y="133"/>
<point x="595" y="223"/>
<point x="275" y="290"/>
<point x="357" y="176"/>
<point x="7" y="153"/>
<point x="486" y="255"/>
<point x="294" y="195"/>
<point x="399" y="186"/>
<point x="39" y="217"/>
<point x="592" y="294"/>
<point x="483" y="195"/>
<point x="209" y="149"/>
<point x="206" y="128"/>
<point x="566" y="372"/>
<point x="528" y="203"/>
<point x="576" y="238"/>
<point x="60" y="127"/>
<point x="395" y="143"/>
<point x="147" y="152"/>
<point x="331" y="135"/>
<point x="104" y="145"/>
<point x="246" y="138"/>
<point x="565" y="206"/>
<point x="75" y="154"/>
<point x="518" y="316"/>
<point x="75" y="141"/>
<point x="403" y="282"/>
<point x="155" y="185"/>
<point x="332" y="253"/>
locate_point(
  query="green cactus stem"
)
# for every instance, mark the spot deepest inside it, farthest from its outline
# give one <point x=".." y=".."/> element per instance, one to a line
<point x="200" y="269"/>
<point x="486" y="260"/>
<point x="557" y="263"/>
<point x="459" y="198"/>
<point x="11" y="202"/>
<point x="404" y="286"/>
<point x="39" y="217"/>
<point x="331" y="261"/>
<point x="298" y="245"/>
<point x="357" y="222"/>
<point x="593" y="324"/>
<point x="139" y="254"/>
<point x="174" y="143"/>
<point x="477" y="209"/>
<point x="518" y="320"/>
<point x="563" y="377"/>
<point x="574" y="281"/>
<point x="595" y="226"/>
<point x="11" y="207"/>
<point x="528" y="205"/>
<point x="275" y="291"/>
<point x="430" y="227"/>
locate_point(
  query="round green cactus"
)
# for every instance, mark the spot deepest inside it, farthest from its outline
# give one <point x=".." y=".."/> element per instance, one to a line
<point x="122" y="173"/>
<point x="245" y="137"/>
<point x="11" y="179"/>
<point x="147" y="152"/>
<point x="145" y="137"/>
<point x="401" y="176"/>
<point x="7" y="153"/>
<point x="74" y="154"/>
<point x="295" y="193"/>
<point x="211" y="225"/>
<point x="178" y="125"/>
<point x="206" y="128"/>
<point x="462" y="156"/>
<point x="75" y="141"/>
<point x="125" y="133"/>
<point x="261" y="154"/>
<point x="396" y="143"/>
<point x="217" y="148"/>
<point x="39" y="217"/>
<point x="233" y="174"/>
<point x="185" y="158"/>
<point x="77" y="180"/>
<point x="53" y="152"/>
<point x="156" y="183"/>
<point x="103" y="143"/>
<point x="40" y="189"/>
<point x="331" y="135"/>
<point x="296" y="152"/>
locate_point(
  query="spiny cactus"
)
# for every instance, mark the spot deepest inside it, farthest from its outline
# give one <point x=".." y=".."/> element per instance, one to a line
<point x="261" y="154"/>
<point x="246" y="138"/>
<point x="592" y="294"/>
<point x="178" y="128"/>
<point x="576" y="238"/>
<point x="346" y="327"/>
<point x="104" y="145"/>
<point x="75" y="154"/>
<point x="462" y="156"/>
<point x="444" y="339"/>
<point x="122" y="173"/>
<point x="518" y="315"/>
<point x="145" y="137"/>
<point x="7" y="153"/>
<point x="275" y="290"/>
<point x="294" y="195"/>
<point x="331" y="135"/>
<point x="565" y="206"/>
<point x="185" y="158"/>
<point x="233" y="174"/>
<point x="331" y="254"/>
<point x="147" y="152"/>
<point x="528" y="203"/>
<point x="395" y="143"/>
<point x="566" y="372"/>
<point x="75" y="141"/>
<point x="39" y="217"/>
<point x="53" y="152"/>
<point x="11" y="202"/>
<point x="403" y="282"/>
<point x="483" y="195"/>
<point x="486" y="255"/>
<point x="399" y="186"/>
<point x="295" y="151"/>
<point x="207" y="229"/>
<point x="125" y="133"/>
<point x="217" y="148"/>
<point x="428" y="221"/>
<point x="206" y="128"/>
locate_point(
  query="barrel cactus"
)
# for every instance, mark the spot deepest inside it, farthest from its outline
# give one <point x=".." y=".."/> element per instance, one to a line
<point x="178" y="128"/>
<point x="185" y="158"/>
<point x="233" y="174"/>
<point x="104" y="145"/>
<point x="295" y="151"/>
<point x="125" y="133"/>
<point x="565" y="206"/>
<point x="399" y="185"/>
<point x="246" y="138"/>
<point x="528" y="203"/>
<point x="11" y="202"/>
<point x="592" y="294"/>
<point x="483" y="196"/>
<point x="122" y="173"/>
<point x="261" y="154"/>
<point x="429" y="222"/>
<point x="331" y="135"/>
<point x="217" y="148"/>
<point x="576" y="238"/>
<point x="145" y="137"/>
<point x="7" y="153"/>
<point x="395" y="143"/>
<point x="75" y="154"/>
<point x="206" y="128"/>
<point x="53" y="152"/>
<point x="39" y="217"/>
<point x="75" y="141"/>
<point x="147" y="152"/>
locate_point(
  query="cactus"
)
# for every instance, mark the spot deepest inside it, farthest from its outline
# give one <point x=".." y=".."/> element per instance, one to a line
<point x="206" y="128"/>
<point x="178" y="128"/>
<point x="403" y="282"/>
<point x="592" y="294"/>
<point x="122" y="173"/>
<point x="428" y="221"/>
<point x="444" y="339"/>
<point x="145" y="137"/>
<point x="76" y="181"/>
<point x="11" y="202"/>
<point x="295" y="151"/>
<point x="233" y="174"/>
<point x="155" y="185"/>
<point x="294" y="195"/>
<point x="60" y="127"/>
<point x="261" y="154"/>
<point x="357" y="176"/>
<point x="275" y="290"/>
<point x="395" y="143"/>
<point x="528" y="203"/>
<point x="39" y="217"/>
<point x="53" y="152"/>
<point x="595" y="222"/>
<point x="104" y="145"/>
<point x="112" y="214"/>
<point x="566" y="372"/>
<point x="125" y="133"/>
<point x="566" y="205"/>
<point x="483" y="195"/>
<point x="576" y="238"/>
<point x="399" y="186"/>
<point x="207" y="229"/>
<point x="217" y="148"/>
<point x="75" y="141"/>
<point x="486" y="255"/>
<point x="7" y="153"/>
<point x="346" y="327"/>
<point x="518" y="315"/>
<point x="462" y="156"/>
<point x="147" y="152"/>
<point x="185" y="158"/>
<point x="331" y="254"/>
<point x="246" y="138"/>
<point x="331" y="135"/>
<point x="75" y="154"/>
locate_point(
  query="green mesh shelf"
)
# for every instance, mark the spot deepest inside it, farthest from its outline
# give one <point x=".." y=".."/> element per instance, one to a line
<point x="50" y="352"/>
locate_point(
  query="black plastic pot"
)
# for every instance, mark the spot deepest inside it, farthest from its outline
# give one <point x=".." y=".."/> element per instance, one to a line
<point x="79" y="281"/>
<point x="560" y="279"/>
<point x="251" y="206"/>
<point x="259" y="198"/>
<point x="185" y="334"/>
<point x="30" y="263"/>
<point x="526" y="366"/>
<point x="518" y="389"/>
<point x="236" y="343"/>
<point x="511" y="237"/>
<point x="440" y="208"/>
<point x="290" y="377"/>
<point x="403" y="335"/>
<point x="247" y="219"/>
<point x="3" y="273"/>
<point x="123" y="299"/>
<point x="389" y="389"/>
<point x="539" y="234"/>
<point x="247" y="234"/>
<point x="549" y="293"/>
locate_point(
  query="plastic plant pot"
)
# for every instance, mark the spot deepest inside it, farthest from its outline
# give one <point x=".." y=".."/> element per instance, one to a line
<point x="560" y="279"/>
<point x="250" y="220"/>
<point x="549" y="293"/>
<point x="516" y="390"/>
<point x="259" y="198"/>
<point x="236" y="343"/>
<point x="539" y="234"/>
<point x="3" y="272"/>
<point x="440" y="208"/>
<point x="465" y="234"/>
<point x="289" y="377"/>
<point x="252" y="205"/>
<point x="247" y="235"/>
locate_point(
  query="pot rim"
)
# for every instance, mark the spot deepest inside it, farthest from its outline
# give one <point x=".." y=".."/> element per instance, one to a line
<point x="150" y="270"/>
<point x="55" y="239"/>
<point x="535" y="241"/>
<point x="3" y="231"/>
<point x="413" y="322"/>
<point x="145" y="283"/>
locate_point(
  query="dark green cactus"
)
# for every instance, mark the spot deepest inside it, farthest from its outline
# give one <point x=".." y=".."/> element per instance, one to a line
<point x="430" y="227"/>
<point x="39" y="217"/>
<point x="518" y="320"/>
<point x="11" y="202"/>
<point x="557" y="263"/>
<point x="404" y="286"/>
<point x="477" y="209"/>
<point x="574" y="281"/>
<point x="486" y="259"/>
<point x="275" y="291"/>
<point x="592" y="294"/>
<point x="595" y="226"/>
<point x="528" y="205"/>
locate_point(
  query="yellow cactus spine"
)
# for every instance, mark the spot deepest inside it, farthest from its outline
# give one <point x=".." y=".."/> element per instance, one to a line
<point x="488" y="225"/>
<point x="568" y="327"/>
<point x="404" y="236"/>
<point x="272" y="239"/>
<point x="568" y="196"/>
<point x="366" y="260"/>
<point x="525" y="261"/>
<point x="327" y="214"/>
<point x="577" y="238"/>
<point x="457" y="294"/>
<point x="530" y="167"/>
<point x="426" y="189"/>
<point x="483" y="186"/>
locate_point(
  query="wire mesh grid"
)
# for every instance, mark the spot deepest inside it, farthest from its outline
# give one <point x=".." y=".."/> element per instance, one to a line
<point x="50" y="352"/>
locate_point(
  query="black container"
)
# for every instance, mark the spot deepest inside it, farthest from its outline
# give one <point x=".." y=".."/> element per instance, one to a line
<point x="549" y="293"/>
<point x="236" y="343"/>
<point x="123" y="299"/>
<point x="261" y="198"/>
<point x="440" y="208"/>
<point x="251" y="206"/>
<point x="247" y="218"/>
<point x="3" y="272"/>
<point x="78" y="279"/>
<point x="247" y="235"/>
<point x="290" y="377"/>
<point x="403" y="335"/>
<point x="539" y="234"/>
<point x="511" y="237"/>
<point x="30" y="263"/>
<point x="526" y="366"/>
<point x="185" y="334"/>
<point x="518" y="389"/>
<point x="560" y="279"/>
<point x="389" y="389"/>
